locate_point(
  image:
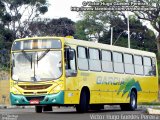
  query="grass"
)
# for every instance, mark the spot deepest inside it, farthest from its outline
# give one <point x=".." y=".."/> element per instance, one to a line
<point x="154" y="104"/>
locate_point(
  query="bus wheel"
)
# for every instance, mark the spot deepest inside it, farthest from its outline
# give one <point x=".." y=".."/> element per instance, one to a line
<point x="132" y="105"/>
<point x="96" y="107"/>
<point x="47" y="108"/>
<point x="38" y="109"/>
<point x="82" y="107"/>
<point x="133" y="101"/>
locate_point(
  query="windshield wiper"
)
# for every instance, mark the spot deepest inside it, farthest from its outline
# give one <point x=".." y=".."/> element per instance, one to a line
<point x="26" y="56"/>
<point x="44" y="54"/>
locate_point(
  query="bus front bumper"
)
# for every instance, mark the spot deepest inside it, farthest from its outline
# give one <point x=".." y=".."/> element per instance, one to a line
<point x="57" y="98"/>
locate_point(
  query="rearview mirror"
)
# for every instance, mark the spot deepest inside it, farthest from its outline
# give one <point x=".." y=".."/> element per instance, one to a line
<point x="13" y="63"/>
<point x="69" y="54"/>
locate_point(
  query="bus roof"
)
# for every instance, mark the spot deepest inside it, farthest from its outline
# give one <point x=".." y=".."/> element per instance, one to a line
<point x="71" y="41"/>
<point x="108" y="47"/>
<point x="34" y="38"/>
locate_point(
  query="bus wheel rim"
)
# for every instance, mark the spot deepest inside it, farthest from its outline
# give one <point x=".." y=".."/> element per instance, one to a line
<point x="133" y="102"/>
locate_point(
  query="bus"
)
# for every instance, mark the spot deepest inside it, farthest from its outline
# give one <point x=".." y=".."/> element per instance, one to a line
<point x="63" y="71"/>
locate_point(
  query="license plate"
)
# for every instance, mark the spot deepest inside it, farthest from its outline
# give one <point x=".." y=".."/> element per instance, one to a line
<point x="34" y="101"/>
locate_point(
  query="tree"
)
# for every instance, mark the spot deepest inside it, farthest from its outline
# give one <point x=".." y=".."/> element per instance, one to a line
<point x="16" y="11"/>
<point x="118" y="20"/>
<point x="12" y="16"/>
<point x="47" y="27"/>
<point x="89" y="29"/>
<point x="152" y="16"/>
<point x="141" y="37"/>
<point x="80" y="27"/>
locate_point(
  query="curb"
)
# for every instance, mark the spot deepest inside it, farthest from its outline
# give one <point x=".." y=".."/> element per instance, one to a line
<point x="153" y="111"/>
<point x="3" y="106"/>
<point x="14" y="107"/>
<point x="148" y="106"/>
<point x="106" y="106"/>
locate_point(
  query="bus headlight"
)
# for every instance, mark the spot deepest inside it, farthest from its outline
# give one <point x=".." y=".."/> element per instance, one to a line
<point x="56" y="89"/>
<point x="15" y="91"/>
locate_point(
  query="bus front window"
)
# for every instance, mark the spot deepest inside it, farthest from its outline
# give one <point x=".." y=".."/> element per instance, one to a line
<point x="37" y="66"/>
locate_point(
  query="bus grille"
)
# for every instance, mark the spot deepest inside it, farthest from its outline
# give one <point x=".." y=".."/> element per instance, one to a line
<point x="40" y="98"/>
<point x="35" y="87"/>
<point x="43" y="92"/>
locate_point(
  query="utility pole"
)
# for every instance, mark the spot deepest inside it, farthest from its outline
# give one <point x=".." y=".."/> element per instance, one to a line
<point x="128" y="31"/>
<point x="128" y="28"/>
<point x="111" y="41"/>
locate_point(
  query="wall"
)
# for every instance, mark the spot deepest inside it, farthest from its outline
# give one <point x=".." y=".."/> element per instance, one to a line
<point x="4" y="88"/>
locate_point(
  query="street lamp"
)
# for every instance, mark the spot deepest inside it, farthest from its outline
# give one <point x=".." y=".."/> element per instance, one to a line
<point x="125" y="31"/>
<point x="119" y="37"/>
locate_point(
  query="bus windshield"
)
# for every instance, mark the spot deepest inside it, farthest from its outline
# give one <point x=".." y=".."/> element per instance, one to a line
<point x="36" y="66"/>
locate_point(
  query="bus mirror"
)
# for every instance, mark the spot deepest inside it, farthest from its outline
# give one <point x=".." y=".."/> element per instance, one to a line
<point x="13" y="63"/>
<point x="71" y="55"/>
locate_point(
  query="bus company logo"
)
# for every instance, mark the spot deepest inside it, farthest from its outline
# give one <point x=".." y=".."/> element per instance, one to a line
<point x="128" y="85"/>
<point x="110" y="80"/>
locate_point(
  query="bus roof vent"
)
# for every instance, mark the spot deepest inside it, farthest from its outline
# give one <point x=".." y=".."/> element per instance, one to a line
<point x="70" y="37"/>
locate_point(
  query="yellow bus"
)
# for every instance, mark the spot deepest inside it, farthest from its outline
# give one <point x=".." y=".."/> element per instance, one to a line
<point x="62" y="71"/>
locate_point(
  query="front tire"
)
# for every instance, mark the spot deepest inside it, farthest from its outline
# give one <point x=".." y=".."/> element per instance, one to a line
<point x="96" y="107"/>
<point x="38" y="109"/>
<point x="47" y="108"/>
<point x="133" y="101"/>
<point x="132" y="105"/>
<point x="82" y="107"/>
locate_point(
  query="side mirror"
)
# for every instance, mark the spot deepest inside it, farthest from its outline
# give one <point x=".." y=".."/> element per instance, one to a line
<point x="69" y="54"/>
<point x="13" y="63"/>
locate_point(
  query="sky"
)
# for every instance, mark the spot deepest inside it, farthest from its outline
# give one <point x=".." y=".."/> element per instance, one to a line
<point x="61" y="8"/>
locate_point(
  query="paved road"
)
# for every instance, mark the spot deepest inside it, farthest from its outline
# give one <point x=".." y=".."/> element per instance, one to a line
<point x="70" y="114"/>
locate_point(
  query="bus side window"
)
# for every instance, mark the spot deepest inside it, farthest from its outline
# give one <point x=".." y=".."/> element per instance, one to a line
<point x="82" y="58"/>
<point x="153" y="67"/>
<point x="128" y="63"/>
<point x="94" y="59"/>
<point x="107" y="65"/>
<point x="118" y="62"/>
<point x="138" y="65"/>
<point x="147" y="66"/>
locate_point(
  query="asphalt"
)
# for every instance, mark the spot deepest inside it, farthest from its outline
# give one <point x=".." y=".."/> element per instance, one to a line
<point x="69" y="113"/>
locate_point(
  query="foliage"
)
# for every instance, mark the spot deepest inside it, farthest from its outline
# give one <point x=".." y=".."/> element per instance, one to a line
<point x="12" y="16"/>
<point x="16" y="11"/>
<point x="152" y="16"/>
<point x="47" y="27"/>
<point x="141" y="37"/>
<point x="80" y="27"/>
